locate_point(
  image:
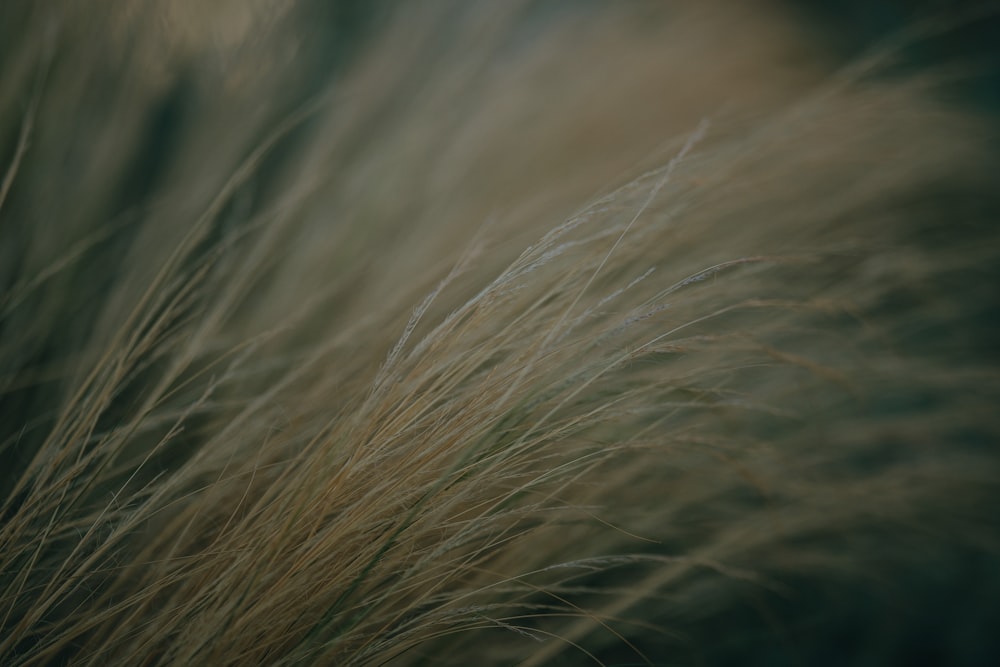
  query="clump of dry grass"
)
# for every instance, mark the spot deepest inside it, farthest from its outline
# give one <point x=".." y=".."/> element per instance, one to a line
<point x="315" y="357"/>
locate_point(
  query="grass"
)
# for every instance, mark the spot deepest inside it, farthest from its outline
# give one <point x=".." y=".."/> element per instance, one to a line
<point x="557" y="335"/>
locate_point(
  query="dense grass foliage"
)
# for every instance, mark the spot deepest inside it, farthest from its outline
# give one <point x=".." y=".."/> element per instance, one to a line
<point x="539" y="333"/>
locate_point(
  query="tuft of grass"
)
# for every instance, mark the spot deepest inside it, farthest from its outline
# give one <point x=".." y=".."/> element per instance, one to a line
<point x="439" y="333"/>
